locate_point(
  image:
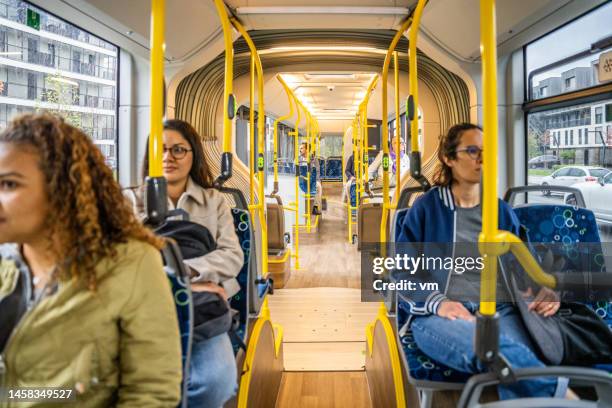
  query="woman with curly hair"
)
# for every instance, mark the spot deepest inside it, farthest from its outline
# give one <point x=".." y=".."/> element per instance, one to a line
<point x="84" y="301"/>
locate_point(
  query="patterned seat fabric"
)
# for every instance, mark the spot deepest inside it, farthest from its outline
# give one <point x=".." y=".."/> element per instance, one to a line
<point x="423" y="368"/>
<point x="303" y="179"/>
<point x="567" y="226"/>
<point x="242" y="225"/>
<point x="420" y="366"/>
<point x="182" y="301"/>
<point x="333" y="169"/>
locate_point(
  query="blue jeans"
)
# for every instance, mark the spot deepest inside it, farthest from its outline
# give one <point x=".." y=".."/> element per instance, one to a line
<point x="212" y="373"/>
<point x="452" y="342"/>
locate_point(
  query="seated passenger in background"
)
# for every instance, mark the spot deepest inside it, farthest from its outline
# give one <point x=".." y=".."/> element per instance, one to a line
<point x="349" y="173"/>
<point x="213" y="368"/>
<point x="314" y="163"/>
<point x="444" y="326"/>
<point x="375" y="170"/>
<point x="84" y="301"/>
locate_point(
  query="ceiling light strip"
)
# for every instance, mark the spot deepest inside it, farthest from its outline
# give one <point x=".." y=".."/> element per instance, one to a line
<point x="393" y="11"/>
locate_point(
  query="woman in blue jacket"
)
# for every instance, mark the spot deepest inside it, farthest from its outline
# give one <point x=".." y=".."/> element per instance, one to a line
<point x="443" y="325"/>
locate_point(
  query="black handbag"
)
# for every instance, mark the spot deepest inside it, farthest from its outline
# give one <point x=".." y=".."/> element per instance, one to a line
<point x="212" y="313"/>
<point x="575" y="335"/>
<point x="587" y="339"/>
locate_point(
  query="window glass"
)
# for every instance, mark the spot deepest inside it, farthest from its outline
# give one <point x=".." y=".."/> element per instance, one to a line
<point x="608" y="179"/>
<point x="574" y="172"/>
<point x="598" y="172"/>
<point x="78" y="89"/>
<point x="578" y="45"/>
<point x="562" y="172"/>
<point x="549" y="132"/>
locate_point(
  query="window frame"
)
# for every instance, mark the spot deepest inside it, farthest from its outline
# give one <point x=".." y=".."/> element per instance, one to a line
<point x="593" y="94"/>
<point x="118" y="74"/>
<point x="528" y="92"/>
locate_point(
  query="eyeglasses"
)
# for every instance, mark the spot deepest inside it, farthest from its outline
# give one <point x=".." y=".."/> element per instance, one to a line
<point x="177" y="151"/>
<point x="474" y="152"/>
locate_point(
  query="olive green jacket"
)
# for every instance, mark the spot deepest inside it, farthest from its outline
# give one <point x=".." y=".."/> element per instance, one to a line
<point x="116" y="346"/>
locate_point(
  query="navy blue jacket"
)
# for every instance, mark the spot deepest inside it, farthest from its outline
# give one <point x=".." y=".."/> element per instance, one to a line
<point x="433" y="219"/>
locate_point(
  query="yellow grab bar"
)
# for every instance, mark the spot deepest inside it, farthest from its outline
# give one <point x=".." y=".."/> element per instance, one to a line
<point x="412" y="72"/>
<point x="295" y="134"/>
<point x="157" y="88"/>
<point x="252" y="131"/>
<point x="261" y="139"/>
<point x="279" y="119"/>
<point x="228" y="77"/>
<point x="492" y="241"/>
<point x="385" y="109"/>
<point x="490" y="228"/>
<point x="398" y="128"/>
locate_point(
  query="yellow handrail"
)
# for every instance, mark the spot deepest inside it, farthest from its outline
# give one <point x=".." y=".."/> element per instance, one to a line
<point x="385" y="159"/>
<point x="492" y="241"/>
<point x="296" y="208"/>
<point x="412" y="72"/>
<point x="385" y="146"/>
<point x="398" y="128"/>
<point x="280" y="119"/>
<point x="261" y="139"/>
<point x="229" y="75"/>
<point x="157" y="88"/>
<point x="252" y="134"/>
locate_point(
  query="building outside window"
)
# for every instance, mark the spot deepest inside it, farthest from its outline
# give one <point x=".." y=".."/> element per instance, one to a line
<point x="598" y="114"/>
<point x="60" y="68"/>
<point x="556" y="66"/>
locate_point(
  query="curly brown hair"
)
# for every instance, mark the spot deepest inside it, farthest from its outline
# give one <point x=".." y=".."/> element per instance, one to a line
<point x="88" y="213"/>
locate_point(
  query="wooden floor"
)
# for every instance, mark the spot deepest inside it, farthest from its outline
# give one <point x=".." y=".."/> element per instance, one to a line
<point x="324" y="390"/>
<point x="324" y="319"/>
<point x="327" y="259"/>
<point x="324" y="328"/>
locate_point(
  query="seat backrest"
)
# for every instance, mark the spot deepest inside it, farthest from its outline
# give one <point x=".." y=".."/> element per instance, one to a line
<point x="276" y="224"/>
<point x="323" y="167"/>
<point x="243" y="228"/>
<point x="566" y="226"/>
<point x="396" y="225"/>
<point x="333" y="168"/>
<point x="353" y="194"/>
<point x="303" y="167"/>
<point x="183" y="301"/>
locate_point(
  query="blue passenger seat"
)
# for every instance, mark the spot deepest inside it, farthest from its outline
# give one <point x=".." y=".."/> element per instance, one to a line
<point x="426" y="374"/>
<point x="181" y="293"/>
<point x="333" y="169"/>
<point x="568" y="225"/>
<point x="243" y="228"/>
<point x="303" y="179"/>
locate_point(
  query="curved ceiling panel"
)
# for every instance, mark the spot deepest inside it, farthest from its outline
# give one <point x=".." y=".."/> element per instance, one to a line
<point x="198" y="95"/>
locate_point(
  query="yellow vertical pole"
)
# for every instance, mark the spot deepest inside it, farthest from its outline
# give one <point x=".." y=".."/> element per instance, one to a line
<point x="308" y="199"/>
<point x="157" y="90"/>
<point x="398" y="128"/>
<point x="252" y="134"/>
<point x="228" y="77"/>
<point x="276" y="122"/>
<point x="295" y="134"/>
<point x="412" y="72"/>
<point x="385" y="113"/>
<point x="261" y="122"/>
<point x="261" y="139"/>
<point x="489" y="166"/>
<point x="296" y="160"/>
